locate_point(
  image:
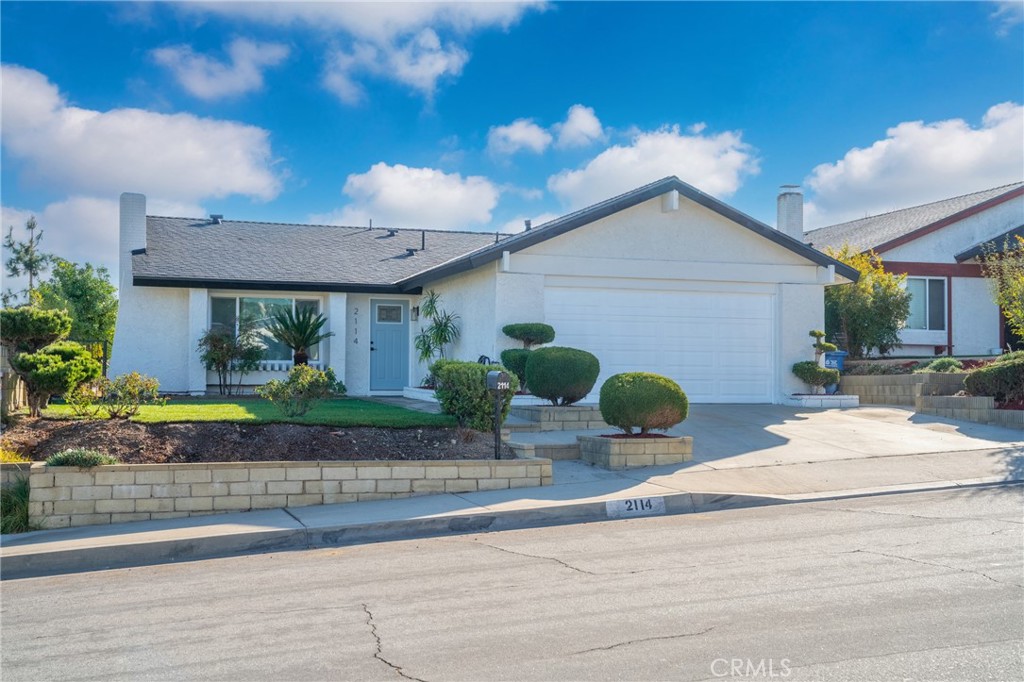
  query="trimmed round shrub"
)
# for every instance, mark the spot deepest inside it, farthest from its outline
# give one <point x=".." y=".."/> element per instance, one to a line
<point x="80" y="457"/>
<point x="562" y="375"/>
<point x="530" y="333"/>
<point x="943" y="365"/>
<point x="641" y="400"/>
<point x="812" y="374"/>
<point x="462" y="392"/>
<point x="1003" y="380"/>
<point x="515" y="359"/>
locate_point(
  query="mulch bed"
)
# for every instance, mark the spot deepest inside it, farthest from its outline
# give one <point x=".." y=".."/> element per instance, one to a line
<point x="221" y="442"/>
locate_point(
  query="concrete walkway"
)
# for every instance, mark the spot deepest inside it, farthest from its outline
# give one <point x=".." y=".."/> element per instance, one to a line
<point x="744" y="456"/>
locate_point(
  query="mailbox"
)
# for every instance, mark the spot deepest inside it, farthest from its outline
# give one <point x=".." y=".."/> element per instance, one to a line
<point x="498" y="381"/>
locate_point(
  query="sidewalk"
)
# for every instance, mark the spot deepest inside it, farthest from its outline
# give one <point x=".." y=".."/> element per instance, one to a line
<point x="581" y="493"/>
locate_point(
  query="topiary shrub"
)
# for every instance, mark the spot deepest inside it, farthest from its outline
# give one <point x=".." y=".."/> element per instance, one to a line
<point x="80" y="457"/>
<point x="941" y="365"/>
<point x="562" y="375"/>
<point x="56" y="369"/>
<point x="641" y="400"/>
<point x="515" y="359"/>
<point x="814" y="375"/>
<point x="530" y="333"/>
<point x="462" y="392"/>
<point x="304" y="387"/>
<point x="1003" y="380"/>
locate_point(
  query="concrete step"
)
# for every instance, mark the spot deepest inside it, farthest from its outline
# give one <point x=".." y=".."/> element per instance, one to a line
<point x="552" y="451"/>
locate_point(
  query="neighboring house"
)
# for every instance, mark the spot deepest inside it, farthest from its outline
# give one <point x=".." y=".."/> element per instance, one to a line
<point x="664" y="279"/>
<point x="937" y="246"/>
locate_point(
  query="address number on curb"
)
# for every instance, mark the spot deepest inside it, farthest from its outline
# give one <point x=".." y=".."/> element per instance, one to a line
<point x="635" y="506"/>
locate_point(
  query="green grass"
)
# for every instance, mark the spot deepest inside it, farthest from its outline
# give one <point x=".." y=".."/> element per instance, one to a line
<point x="339" y="412"/>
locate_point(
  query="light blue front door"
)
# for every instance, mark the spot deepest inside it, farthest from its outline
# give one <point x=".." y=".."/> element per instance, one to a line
<point x="389" y="345"/>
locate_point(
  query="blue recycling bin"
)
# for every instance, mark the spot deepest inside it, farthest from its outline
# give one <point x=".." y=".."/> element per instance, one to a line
<point x="834" y="359"/>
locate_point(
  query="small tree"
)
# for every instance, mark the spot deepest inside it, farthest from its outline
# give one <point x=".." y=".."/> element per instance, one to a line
<point x="229" y="354"/>
<point x="56" y="369"/>
<point x="442" y="331"/>
<point x="870" y="312"/>
<point x="88" y="297"/>
<point x="25" y="259"/>
<point x="299" y="331"/>
<point x="26" y="331"/>
<point x="1005" y="273"/>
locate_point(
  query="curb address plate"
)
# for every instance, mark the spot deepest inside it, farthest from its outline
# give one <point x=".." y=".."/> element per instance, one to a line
<point x="635" y="506"/>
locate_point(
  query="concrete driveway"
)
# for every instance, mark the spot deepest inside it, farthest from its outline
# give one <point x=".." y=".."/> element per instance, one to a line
<point x="764" y="435"/>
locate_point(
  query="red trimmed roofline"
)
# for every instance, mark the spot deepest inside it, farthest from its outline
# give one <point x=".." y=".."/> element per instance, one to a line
<point x="949" y="220"/>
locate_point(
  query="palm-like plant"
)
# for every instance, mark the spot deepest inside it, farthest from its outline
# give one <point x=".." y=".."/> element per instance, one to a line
<point x="299" y="330"/>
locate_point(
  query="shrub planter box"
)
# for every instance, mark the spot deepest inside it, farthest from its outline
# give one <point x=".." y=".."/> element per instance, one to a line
<point x="74" y="496"/>
<point x="568" y="418"/>
<point x="969" y="408"/>
<point x="627" y="453"/>
<point x="824" y="400"/>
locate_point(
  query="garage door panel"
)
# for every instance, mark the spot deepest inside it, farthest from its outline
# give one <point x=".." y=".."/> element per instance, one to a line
<point x="718" y="346"/>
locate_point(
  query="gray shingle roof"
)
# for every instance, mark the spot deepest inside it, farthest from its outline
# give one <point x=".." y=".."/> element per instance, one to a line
<point x="875" y="231"/>
<point x="279" y="255"/>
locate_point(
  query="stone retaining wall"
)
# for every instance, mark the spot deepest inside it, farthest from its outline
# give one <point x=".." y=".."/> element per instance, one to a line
<point x="11" y="472"/>
<point x="968" y="408"/>
<point x="73" y="496"/>
<point x="567" y="418"/>
<point x="900" y="389"/>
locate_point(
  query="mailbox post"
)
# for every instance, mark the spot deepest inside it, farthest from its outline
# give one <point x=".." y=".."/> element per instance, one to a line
<point x="497" y="383"/>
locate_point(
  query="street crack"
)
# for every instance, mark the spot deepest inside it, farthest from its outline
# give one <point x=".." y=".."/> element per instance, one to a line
<point x="378" y="654"/>
<point x="644" y="639"/>
<point x="538" y="556"/>
<point x="936" y="565"/>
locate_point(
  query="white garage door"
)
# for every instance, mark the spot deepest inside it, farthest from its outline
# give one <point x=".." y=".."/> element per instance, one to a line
<point x="717" y="346"/>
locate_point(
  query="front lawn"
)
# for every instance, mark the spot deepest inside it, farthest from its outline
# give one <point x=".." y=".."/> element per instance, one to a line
<point x="339" y="412"/>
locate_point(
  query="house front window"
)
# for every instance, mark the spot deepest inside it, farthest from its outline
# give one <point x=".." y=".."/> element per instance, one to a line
<point x="927" y="303"/>
<point x="226" y="311"/>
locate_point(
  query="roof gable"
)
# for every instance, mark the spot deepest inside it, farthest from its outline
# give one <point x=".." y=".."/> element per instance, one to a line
<point x="588" y="215"/>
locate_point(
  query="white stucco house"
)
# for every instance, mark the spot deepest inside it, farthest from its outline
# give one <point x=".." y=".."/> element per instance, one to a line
<point x="937" y="246"/>
<point x="663" y="278"/>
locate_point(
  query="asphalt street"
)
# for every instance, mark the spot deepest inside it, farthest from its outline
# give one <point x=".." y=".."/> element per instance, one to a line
<point x="920" y="586"/>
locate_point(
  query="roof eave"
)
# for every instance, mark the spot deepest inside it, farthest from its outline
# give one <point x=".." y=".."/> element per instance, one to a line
<point x="256" y="285"/>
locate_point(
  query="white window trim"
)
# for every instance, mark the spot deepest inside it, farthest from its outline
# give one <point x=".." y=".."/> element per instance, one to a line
<point x="267" y="365"/>
<point x="945" y="303"/>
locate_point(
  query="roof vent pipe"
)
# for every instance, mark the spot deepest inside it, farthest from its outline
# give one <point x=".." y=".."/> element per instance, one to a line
<point x="216" y="218"/>
<point x="392" y="233"/>
<point x="529" y="224"/>
<point x="410" y="252"/>
<point x="371" y="223"/>
<point x="791" y="212"/>
<point x="423" y="240"/>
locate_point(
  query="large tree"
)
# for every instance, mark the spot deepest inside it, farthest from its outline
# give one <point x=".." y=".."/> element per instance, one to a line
<point x="1005" y="272"/>
<point x="24" y="258"/>
<point x="88" y="297"/>
<point x="869" y="313"/>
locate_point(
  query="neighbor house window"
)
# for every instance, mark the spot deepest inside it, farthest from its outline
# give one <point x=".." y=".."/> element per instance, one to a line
<point x="226" y="311"/>
<point x="927" y="303"/>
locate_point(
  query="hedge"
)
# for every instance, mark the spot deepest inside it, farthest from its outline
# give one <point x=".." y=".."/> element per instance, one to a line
<point x="1003" y="380"/>
<point x="462" y="392"/>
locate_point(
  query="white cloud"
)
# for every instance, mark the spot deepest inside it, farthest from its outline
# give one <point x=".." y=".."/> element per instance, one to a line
<point x="420" y="62"/>
<point x="177" y="157"/>
<point x="714" y="164"/>
<point x="400" y="41"/>
<point x="208" y="78"/>
<point x="920" y="162"/>
<point x="400" y="196"/>
<point x="522" y="133"/>
<point x="581" y="127"/>
<point x="1008" y="13"/>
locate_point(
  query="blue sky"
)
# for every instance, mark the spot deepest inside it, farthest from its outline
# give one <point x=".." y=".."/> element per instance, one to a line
<point x="476" y="116"/>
